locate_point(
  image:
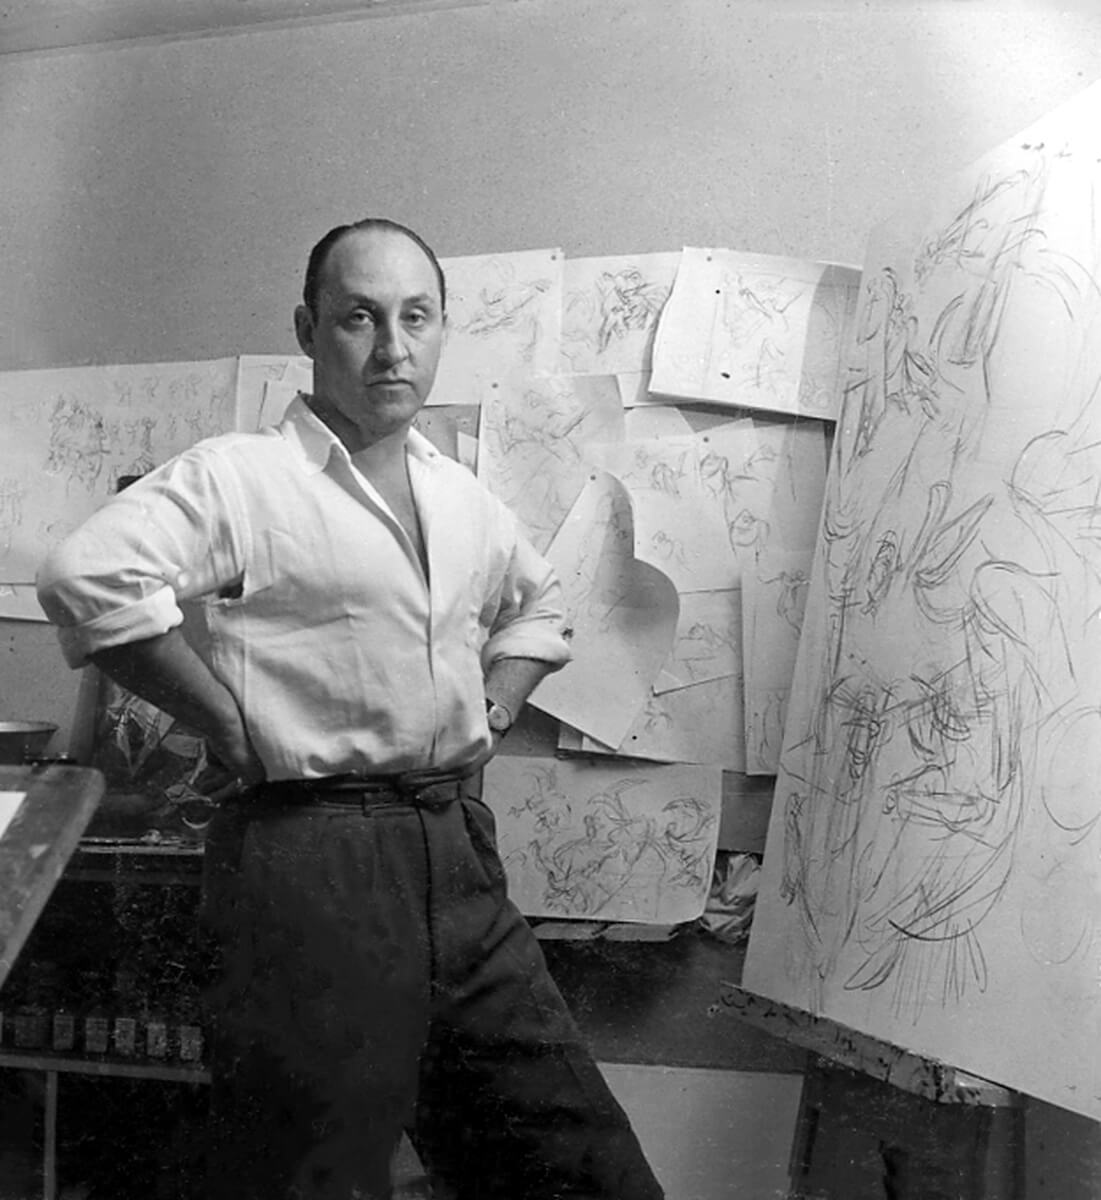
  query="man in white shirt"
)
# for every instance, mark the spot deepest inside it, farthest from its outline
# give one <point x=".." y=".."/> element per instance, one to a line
<point x="373" y="622"/>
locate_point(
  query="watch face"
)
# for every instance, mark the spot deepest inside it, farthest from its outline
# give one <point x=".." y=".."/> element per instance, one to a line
<point x="499" y="718"/>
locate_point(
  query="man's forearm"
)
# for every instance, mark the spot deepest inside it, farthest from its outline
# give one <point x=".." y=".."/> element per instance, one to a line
<point x="166" y="671"/>
<point x="510" y="681"/>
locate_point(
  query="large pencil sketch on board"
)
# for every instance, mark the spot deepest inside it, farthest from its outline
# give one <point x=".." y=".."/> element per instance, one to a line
<point x="933" y="869"/>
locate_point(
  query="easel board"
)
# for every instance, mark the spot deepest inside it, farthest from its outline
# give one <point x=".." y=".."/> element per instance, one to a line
<point x="933" y="862"/>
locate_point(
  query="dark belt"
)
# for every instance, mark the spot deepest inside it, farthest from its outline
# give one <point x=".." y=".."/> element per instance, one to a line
<point x="426" y="788"/>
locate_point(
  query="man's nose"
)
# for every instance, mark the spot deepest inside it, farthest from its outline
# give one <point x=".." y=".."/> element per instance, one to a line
<point x="389" y="345"/>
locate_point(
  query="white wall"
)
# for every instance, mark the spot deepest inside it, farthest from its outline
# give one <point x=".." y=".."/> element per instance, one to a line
<point x="159" y="199"/>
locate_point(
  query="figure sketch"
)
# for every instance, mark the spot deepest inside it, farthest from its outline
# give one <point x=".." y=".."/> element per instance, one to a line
<point x="501" y="300"/>
<point x="602" y="842"/>
<point x="610" y="311"/>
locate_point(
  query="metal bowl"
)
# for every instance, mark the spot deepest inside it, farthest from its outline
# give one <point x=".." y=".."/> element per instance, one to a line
<point x="24" y="740"/>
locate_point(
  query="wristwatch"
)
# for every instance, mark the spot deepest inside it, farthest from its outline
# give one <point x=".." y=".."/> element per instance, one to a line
<point x="498" y="717"/>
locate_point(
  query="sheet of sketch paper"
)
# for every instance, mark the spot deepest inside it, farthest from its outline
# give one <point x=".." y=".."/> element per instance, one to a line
<point x="72" y="432"/>
<point x="677" y="523"/>
<point x="766" y="479"/>
<point x="621" y="613"/>
<point x="605" y="841"/>
<point x="774" y="597"/>
<point x="610" y="309"/>
<point x="754" y="331"/>
<point x="933" y="870"/>
<point x="504" y="314"/>
<point x="532" y="441"/>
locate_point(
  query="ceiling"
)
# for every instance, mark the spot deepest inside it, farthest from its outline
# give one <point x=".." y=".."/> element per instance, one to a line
<point x="36" y="25"/>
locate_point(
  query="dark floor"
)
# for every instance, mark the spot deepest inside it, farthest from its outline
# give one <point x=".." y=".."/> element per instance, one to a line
<point x="654" y="1002"/>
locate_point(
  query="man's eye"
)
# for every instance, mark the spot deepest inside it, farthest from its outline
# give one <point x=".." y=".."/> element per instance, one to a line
<point x="416" y="319"/>
<point x="360" y="316"/>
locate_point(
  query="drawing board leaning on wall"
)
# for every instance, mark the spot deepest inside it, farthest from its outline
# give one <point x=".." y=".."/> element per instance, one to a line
<point x="934" y="859"/>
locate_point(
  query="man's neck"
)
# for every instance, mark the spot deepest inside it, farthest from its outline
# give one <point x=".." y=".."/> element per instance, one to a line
<point x="381" y="454"/>
<point x="381" y="457"/>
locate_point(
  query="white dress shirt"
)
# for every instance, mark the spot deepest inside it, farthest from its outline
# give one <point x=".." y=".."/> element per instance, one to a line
<point x="316" y="610"/>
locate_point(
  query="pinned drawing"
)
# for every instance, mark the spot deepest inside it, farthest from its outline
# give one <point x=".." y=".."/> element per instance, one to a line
<point x="934" y="861"/>
<point x="74" y="432"/>
<point x="767" y="478"/>
<point x="504" y="314"/>
<point x="755" y="331"/>
<point x="610" y="311"/>
<point x="607" y="842"/>
<point x="533" y="438"/>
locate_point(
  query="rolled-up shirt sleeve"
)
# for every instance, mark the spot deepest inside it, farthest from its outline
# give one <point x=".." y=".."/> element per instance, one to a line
<point x="121" y="575"/>
<point x="529" y="619"/>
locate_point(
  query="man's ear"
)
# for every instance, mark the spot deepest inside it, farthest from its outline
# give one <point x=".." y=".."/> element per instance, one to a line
<point x="304" y="329"/>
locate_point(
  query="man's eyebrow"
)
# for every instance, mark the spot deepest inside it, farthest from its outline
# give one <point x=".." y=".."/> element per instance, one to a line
<point x="367" y="301"/>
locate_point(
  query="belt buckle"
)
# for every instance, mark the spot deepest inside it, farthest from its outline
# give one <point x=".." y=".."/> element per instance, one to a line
<point x="436" y="794"/>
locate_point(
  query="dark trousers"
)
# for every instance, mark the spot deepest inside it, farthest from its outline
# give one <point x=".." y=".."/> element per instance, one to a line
<point x="376" y="978"/>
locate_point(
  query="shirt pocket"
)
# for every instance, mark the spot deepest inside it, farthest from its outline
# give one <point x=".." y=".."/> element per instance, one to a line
<point x="260" y="573"/>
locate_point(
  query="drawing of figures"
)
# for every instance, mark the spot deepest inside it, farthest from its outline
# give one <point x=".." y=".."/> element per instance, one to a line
<point x="701" y="644"/>
<point x="610" y="311"/>
<point x="752" y="306"/>
<point x="895" y="369"/>
<point x="508" y="305"/>
<point x="630" y="844"/>
<point x="622" y="845"/>
<point x="937" y="780"/>
<point x="138" y="436"/>
<point x="627" y="301"/>
<point x="964" y="244"/>
<point x="969" y="267"/>
<point x="791" y="597"/>
<point x="744" y="491"/>
<point x="755" y="321"/>
<point x="667" y="551"/>
<point x="79" y="442"/>
<point x="684" y="841"/>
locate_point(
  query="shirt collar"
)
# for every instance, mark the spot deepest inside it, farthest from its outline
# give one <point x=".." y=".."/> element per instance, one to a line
<point x="316" y="442"/>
